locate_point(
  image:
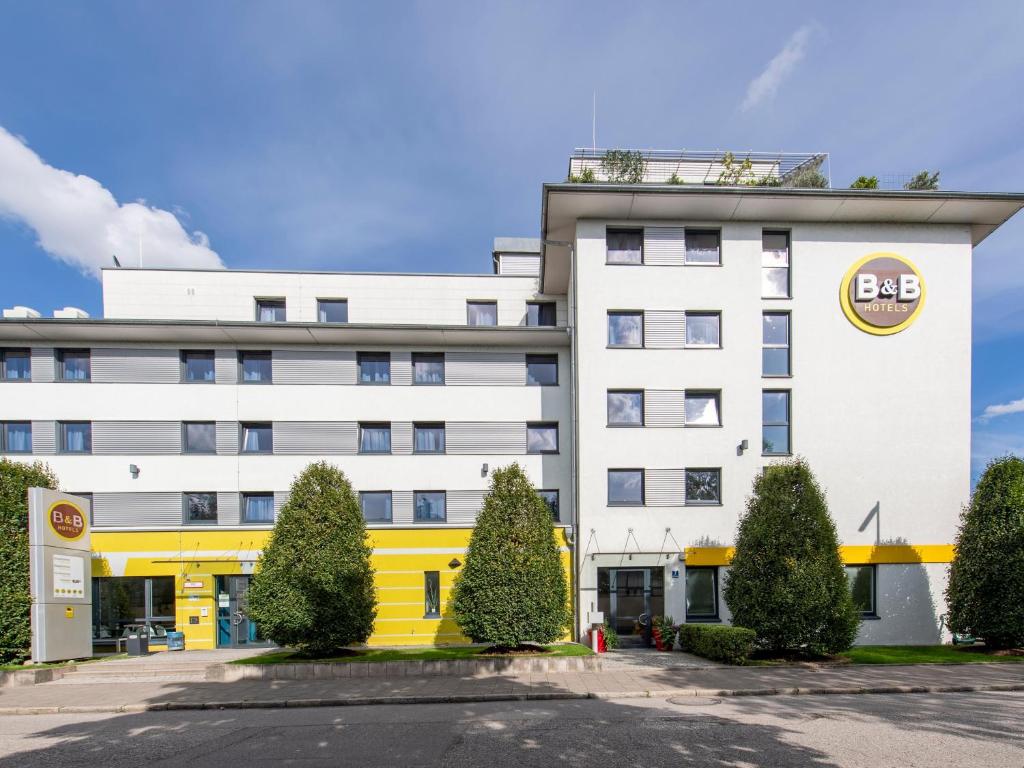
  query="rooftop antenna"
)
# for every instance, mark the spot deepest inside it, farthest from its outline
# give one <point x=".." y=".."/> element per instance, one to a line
<point x="593" y="127"/>
<point x="140" y="249"/>
<point x="116" y="262"/>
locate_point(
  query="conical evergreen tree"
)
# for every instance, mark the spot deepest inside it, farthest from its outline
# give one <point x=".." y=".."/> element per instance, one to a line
<point x="986" y="579"/>
<point x="512" y="589"/>
<point x="786" y="580"/>
<point x="313" y="589"/>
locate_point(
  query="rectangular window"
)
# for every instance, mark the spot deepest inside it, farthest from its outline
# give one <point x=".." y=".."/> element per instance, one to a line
<point x="626" y="408"/>
<point x="703" y="246"/>
<point x="428" y="438"/>
<point x="775" y="265"/>
<point x="540" y="313"/>
<point x="625" y="329"/>
<point x="625" y="487"/>
<point x="861" y="579"/>
<point x="255" y="368"/>
<point x="701" y="409"/>
<point x="542" y="438"/>
<point x="76" y="437"/>
<point x="332" y="310"/>
<point x="73" y="364"/>
<point x="428" y="368"/>
<point x="482" y="312"/>
<point x="703" y="329"/>
<point x="431" y="595"/>
<point x="701" y="594"/>
<point x="703" y="486"/>
<point x="625" y="246"/>
<point x="374" y="368"/>
<point x="775" y="344"/>
<point x="15" y="365"/>
<point x="201" y="507"/>
<point x="258" y="437"/>
<point x="775" y="422"/>
<point x="270" y="311"/>
<point x="375" y="438"/>
<point x="16" y="437"/>
<point x="199" y="437"/>
<point x="429" y="507"/>
<point x="542" y="370"/>
<point x="551" y="499"/>
<point x="197" y="366"/>
<point x="257" y="508"/>
<point x="376" y="506"/>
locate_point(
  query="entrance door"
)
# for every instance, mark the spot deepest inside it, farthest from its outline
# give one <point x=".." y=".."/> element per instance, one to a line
<point x="630" y="597"/>
<point x="234" y="628"/>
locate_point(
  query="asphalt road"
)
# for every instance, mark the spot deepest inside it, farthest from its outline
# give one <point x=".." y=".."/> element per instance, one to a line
<point x="983" y="729"/>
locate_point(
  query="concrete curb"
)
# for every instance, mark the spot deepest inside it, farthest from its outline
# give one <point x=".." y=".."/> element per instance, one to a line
<point x="468" y="698"/>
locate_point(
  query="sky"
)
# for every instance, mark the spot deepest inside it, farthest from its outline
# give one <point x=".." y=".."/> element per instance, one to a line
<point x="406" y="136"/>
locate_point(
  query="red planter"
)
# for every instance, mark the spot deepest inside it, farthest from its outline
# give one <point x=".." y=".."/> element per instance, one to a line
<point x="601" y="647"/>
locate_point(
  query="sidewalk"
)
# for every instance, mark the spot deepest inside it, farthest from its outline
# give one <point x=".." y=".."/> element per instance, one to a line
<point x="94" y="694"/>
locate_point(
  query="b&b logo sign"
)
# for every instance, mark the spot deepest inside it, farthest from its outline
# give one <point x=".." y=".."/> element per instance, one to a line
<point x="67" y="520"/>
<point x="882" y="294"/>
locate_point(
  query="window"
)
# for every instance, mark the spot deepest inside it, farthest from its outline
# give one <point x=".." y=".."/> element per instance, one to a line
<point x="482" y="312"/>
<point x="428" y="438"/>
<point x="703" y="246"/>
<point x="703" y="486"/>
<point x="775" y="417"/>
<point x="255" y="367"/>
<point x="15" y="365"/>
<point x="332" y="310"/>
<point x="701" y="594"/>
<point x="625" y="487"/>
<point x="429" y="507"/>
<point x="16" y="437"/>
<point x="257" y="507"/>
<point x="76" y="437"/>
<point x="551" y="499"/>
<point x="701" y="409"/>
<point x="626" y="408"/>
<point x="428" y="368"/>
<point x="374" y="367"/>
<point x="625" y="329"/>
<point x="542" y="370"/>
<point x="270" y="311"/>
<point x="201" y="507"/>
<point x="775" y="344"/>
<point x="258" y="438"/>
<point x="703" y="329"/>
<point x="376" y="506"/>
<point x="542" y="438"/>
<point x="775" y="265"/>
<point x="375" y="438"/>
<point x="197" y="366"/>
<point x="540" y="313"/>
<point x="625" y="246"/>
<point x="73" y="365"/>
<point x="431" y="595"/>
<point x="861" y="579"/>
<point x="199" y="437"/>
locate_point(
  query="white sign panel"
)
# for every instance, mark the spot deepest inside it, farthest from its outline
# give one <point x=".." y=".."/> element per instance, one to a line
<point x="68" y="576"/>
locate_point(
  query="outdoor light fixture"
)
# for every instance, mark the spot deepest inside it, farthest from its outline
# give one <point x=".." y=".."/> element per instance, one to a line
<point x="484" y="470"/>
<point x="744" y="445"/>
<point x="454" y="563"/>
<point x="134" y="469"/>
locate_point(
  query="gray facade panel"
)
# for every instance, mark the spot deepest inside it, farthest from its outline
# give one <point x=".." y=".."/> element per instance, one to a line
<point x="228" y="438"/>
<point x="44" y="365"/>
<point x="664" y="408"/>
<point x="136" y="437"/>
<point x="314" y="367"/>
<point x="137" y="509"/>
<point x="464" y="506"/>
<point x="401" y="508"/>
<point x="44" y="437"/>
<point x="229" y="508"/>
<point x="401" y="369"/>
<point x="664" y="487"/>
<point x="314" y="437"/>
<point x="136" y="366"/>
<point x="664" y="246"/>
<point x="664" y="329"/>
<point x="485" y="437"/>
<point x="225" y="362"/>
<point x="485" y="368"/>
<point x="401" y="437"/>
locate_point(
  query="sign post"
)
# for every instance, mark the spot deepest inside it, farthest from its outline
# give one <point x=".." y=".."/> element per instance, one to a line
<point x="61" y="569"/>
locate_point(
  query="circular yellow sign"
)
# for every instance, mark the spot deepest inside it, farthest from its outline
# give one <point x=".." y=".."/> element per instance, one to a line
<point x="66" y="520"/>
<point x="882" y="294"/>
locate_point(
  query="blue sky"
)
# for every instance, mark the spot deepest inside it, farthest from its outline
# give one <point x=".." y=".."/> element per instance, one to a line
<point x="405" y="136"/>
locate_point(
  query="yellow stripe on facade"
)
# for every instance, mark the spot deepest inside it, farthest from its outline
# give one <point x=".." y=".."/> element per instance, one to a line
<point x="881" y="554"/>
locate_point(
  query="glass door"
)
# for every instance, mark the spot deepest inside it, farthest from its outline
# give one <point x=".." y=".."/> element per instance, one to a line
<point x="234" y="628"/>
<point x="629" y="598"/>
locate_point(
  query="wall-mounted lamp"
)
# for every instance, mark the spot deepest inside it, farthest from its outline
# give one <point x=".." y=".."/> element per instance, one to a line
<point x="744" y="445"/>
<point x="134" y="469"/>
<point x="484" y="469"/>
<point x="570" y="532"/>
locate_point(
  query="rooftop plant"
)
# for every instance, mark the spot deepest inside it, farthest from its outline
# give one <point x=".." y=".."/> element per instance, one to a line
<point x="923" y="181"/>
<point x="865" y="182"/>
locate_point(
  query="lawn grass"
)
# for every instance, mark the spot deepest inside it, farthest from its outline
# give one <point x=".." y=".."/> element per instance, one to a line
<point x="47" y="665"/>
<point x="377" y="655"/>
<point x="925" y="654"/>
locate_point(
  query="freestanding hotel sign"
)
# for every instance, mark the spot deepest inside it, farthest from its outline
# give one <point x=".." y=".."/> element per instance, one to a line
<point x="60" y="568"/>
<point x="882" y="294"/>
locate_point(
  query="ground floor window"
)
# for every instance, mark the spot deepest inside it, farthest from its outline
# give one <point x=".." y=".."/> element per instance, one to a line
<point x="120" y="604"/>
<point x="431" y="595"/>
<point x="701" y="594"/>
<point x="861" y="579"/>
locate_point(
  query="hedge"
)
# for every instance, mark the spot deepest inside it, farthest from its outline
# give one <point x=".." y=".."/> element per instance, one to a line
<point x="718" y="642"/>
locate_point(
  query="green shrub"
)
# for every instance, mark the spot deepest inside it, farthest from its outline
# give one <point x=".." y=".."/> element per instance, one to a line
<point x="865" y="182"/>
<point x="15" y="598"/>
<point x="624" y="166"/>
<point x="611" y="637"/>
<point x="986" y="579"/>
<point x="786" y="580"/>
<point x="924" y="181"/>
<point x="512" y="589"/>
<point x="313" y="589"/>
<point x="807" y="177"/>
<point x="675" y="180"/>
<point x="718" y="642"/>
<point x="586" y="176"/>
<point x="666" y="628"/>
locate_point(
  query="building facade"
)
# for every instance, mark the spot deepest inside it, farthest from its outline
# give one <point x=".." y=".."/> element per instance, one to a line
<point x="643" y="360"/>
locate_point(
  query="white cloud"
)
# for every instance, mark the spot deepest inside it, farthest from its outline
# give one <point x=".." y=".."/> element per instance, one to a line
<point x="1002" y="409"/>
<point x="78" y="221"/>
<point x="765" y="85"/>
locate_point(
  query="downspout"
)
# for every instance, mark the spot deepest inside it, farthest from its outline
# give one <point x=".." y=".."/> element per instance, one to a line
<point x="574" y="465"/>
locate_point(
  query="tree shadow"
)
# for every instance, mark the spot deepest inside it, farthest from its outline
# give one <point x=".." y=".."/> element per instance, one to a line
<point x="904" y="599"/>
